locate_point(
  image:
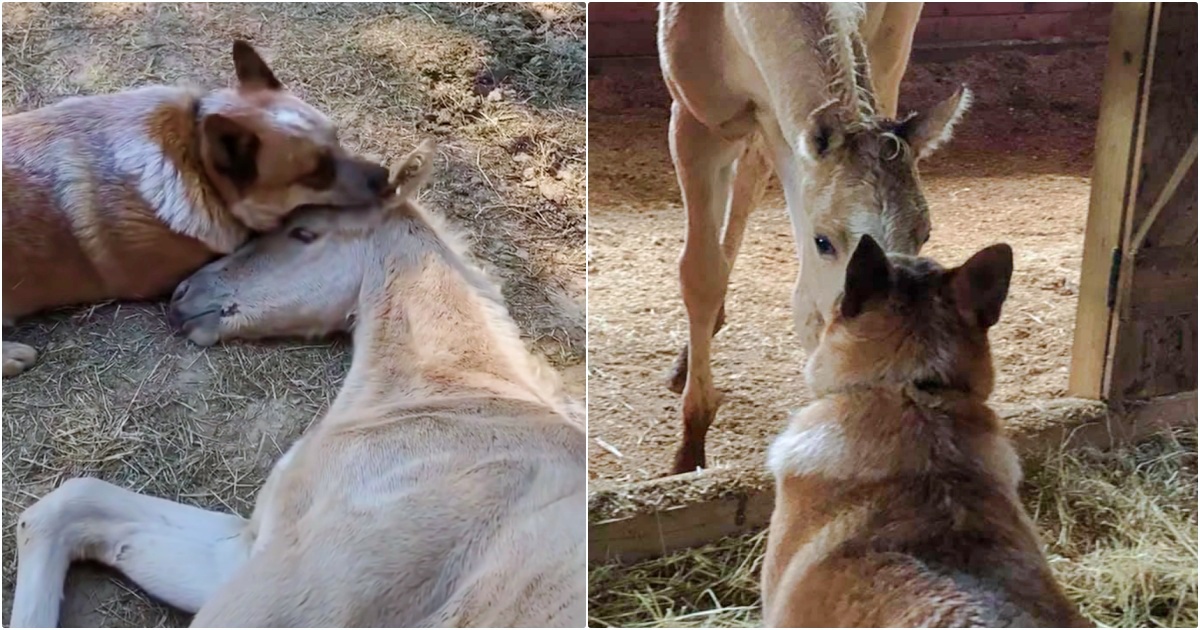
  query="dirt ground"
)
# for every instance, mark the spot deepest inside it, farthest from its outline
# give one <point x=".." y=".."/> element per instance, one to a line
<point x="116" y="396"/>
<point x="1017" y="171"/>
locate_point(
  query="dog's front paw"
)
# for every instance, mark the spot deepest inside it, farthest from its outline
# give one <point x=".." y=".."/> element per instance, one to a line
<point x="18" y="357"/>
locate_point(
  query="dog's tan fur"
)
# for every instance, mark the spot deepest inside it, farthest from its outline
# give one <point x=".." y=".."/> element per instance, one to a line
<point x="896" y="489"/>
<point x="121" y="196"/>
<point x="787" y="87"/>
<point x="446" y="486"/>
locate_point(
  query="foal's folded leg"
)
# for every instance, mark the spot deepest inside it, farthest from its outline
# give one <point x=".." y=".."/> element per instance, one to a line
<point x="177" y="553"/>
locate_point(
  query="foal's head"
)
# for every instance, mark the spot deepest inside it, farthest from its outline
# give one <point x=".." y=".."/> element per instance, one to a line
<point x="305" y="278"/>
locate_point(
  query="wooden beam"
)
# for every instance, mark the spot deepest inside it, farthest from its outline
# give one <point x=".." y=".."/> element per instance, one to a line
<point x="1014" y="26"/>
<point x="1121" y="97"/>
<point x="727" y="502"/>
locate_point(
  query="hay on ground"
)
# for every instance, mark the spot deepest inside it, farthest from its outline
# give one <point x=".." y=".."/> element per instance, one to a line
<point x="1120" y="530"/>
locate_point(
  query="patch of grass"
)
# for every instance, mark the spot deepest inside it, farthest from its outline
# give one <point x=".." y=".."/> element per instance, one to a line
<point x="1119" y="527"/>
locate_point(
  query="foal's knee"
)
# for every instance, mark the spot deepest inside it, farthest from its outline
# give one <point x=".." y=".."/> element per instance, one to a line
<point x="64" y="506"/>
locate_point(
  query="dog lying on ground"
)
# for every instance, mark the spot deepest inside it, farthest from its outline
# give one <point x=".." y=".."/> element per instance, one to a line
<point x="121" y="196"/>
<point x="896" y="489"/>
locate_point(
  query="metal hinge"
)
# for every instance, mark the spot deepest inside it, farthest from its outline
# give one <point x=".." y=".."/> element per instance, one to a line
<point x="1114" y="274"/>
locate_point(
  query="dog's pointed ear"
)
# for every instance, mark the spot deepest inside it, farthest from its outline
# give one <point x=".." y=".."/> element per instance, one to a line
<point x="230" y="148"/>
<point x="252" y="71"/>
<point x="868" y="277"/>
<point x="414" y="171"/>
<point x="980" y="286"/>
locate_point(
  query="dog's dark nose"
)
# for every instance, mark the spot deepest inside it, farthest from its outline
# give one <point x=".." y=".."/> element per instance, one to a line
<point x="377" y="179"/>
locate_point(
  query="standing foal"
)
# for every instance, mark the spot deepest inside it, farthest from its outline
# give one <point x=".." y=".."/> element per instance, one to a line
<point x="787" y="85"/>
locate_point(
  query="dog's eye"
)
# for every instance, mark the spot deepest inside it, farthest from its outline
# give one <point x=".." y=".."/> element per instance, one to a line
<point x="825" y="246"/>
<point x="302" y="235"/>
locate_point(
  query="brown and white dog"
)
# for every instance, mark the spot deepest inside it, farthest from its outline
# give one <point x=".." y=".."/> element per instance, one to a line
<point x="121" y="196"/>
<point x="896" y="489"/>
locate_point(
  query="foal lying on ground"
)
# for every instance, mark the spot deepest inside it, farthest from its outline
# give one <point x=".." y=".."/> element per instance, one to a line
<point x="896" y="490"/>
<point x="444" y="487"/>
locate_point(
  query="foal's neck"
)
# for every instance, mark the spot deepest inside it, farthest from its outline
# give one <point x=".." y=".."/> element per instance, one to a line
<point x="431" y="326"/>
<point x="808" y="54"/>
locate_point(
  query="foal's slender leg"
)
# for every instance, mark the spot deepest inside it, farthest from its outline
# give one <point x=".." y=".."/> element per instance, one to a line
<point x="751" y="174"/>
<point x="888" y="50"/>
<point x="703" y="163"/>
<point x="178" y="553"/>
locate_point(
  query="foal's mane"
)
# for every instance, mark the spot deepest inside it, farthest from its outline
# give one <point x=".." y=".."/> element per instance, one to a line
<point x="844" y="57"/>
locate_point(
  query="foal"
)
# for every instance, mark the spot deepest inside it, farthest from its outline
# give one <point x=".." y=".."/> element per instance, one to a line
<point x="445" y="486"/>
<point x="787" y="87"/>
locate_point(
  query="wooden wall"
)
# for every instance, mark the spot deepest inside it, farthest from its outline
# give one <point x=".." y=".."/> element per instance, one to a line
<point x="1135" y="331"/>
<point x="1154" y="343"/>
<point x="627" y="29"/>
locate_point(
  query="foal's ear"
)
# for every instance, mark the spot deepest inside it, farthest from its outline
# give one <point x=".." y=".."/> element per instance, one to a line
<point x="930" y="130"/>
<point x="252" y="71"/>
<point x="980" y="286"/>
<point x="868" y="277"/>
<point x="826" y="132"/>
<point x="415" y="169"/>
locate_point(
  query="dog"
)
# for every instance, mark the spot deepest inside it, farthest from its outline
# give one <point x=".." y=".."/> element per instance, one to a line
<point x="896" y="489"/>
<point x="122" y="196"/>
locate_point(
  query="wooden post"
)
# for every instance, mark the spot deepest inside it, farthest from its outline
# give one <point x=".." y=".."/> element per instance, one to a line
<point x="1135" y="327"/>
<point x="1128" y="39"/>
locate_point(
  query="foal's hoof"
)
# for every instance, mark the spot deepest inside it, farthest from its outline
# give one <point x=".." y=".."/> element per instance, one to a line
<point x="18" y="357"/>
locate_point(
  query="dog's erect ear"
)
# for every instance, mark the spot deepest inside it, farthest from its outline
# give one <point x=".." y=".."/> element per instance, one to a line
<point x="252" y="71"/>
<point x="980" y="286"/>
<point x="232" y="149"/>
<point x="927" y="131"/>
<point x="415" y="169"/>
<point x="868" y="277"/>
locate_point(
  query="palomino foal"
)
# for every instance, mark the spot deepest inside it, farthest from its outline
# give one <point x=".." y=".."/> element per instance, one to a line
<point x="787" y="85"/>
<point x="896" y="489"/>
<point x="444" y="487"/>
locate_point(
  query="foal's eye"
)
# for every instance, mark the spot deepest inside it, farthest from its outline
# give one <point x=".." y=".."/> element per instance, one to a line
<point x="825" y="246"/>
<point x="302" y="235"/>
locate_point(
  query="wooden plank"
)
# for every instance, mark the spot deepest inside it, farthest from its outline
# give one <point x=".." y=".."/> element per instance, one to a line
<point x="1050" y="425"/>
<point x="630" y="39"/>
<point x="1164" y="282"/>
<point x="940" y="23"/>
<point x="1153" y="339"/>
<point x="943" y="9"/>
<point x="1166" y="358"/>
<point x="1119" y="107"/>
<point x="1021" y="27"/>
<point x="659" y="533"/>
<point x="604" y="12"/>
<point x="600" y="12"/>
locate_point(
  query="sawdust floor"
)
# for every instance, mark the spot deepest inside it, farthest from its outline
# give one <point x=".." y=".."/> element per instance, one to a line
<point x="1017" y="171"/>
<point x="116" y="396"/>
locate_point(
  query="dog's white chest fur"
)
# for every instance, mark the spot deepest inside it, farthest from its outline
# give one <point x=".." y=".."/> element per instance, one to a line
<point x="809" y="450"/>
